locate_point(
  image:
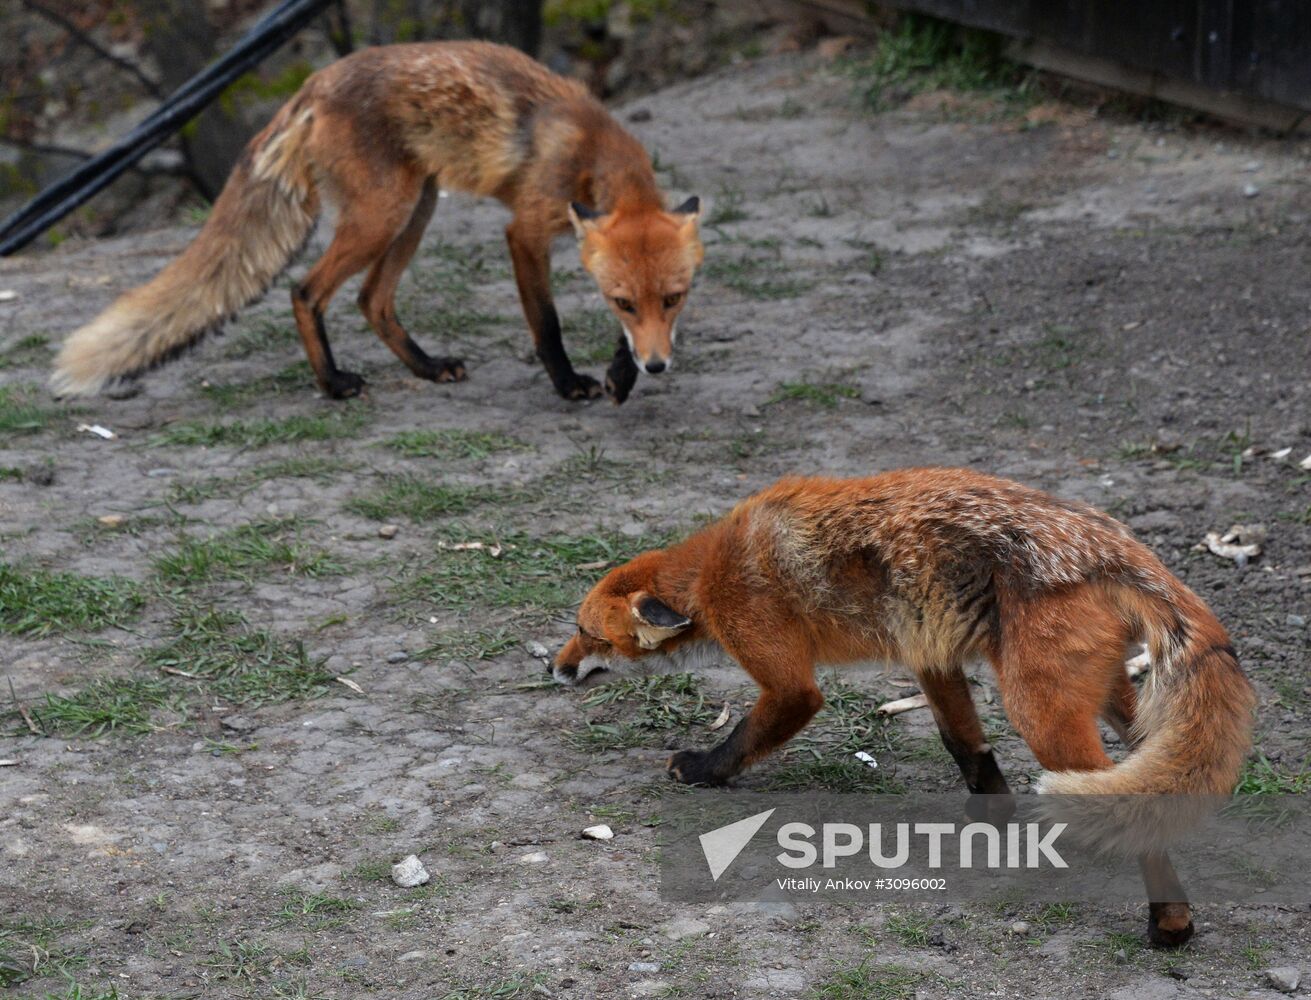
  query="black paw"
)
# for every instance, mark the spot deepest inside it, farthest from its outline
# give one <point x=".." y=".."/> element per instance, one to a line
<point x="344" y="385"/>
<point x="695" y="767"/>
<point x="1166" y="927"/>
<point x="621" y="377"/>
<point x="575" y="386"/>
<point x="449" y="370"/>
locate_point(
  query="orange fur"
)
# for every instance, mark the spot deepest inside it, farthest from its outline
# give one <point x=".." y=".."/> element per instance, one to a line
<point x="377" y="134"/>
<point x="932" y="567"/>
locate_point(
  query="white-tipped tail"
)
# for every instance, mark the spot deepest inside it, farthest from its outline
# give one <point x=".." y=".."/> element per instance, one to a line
<point x="1195" y="711"/>
<point x="257" y="225"/>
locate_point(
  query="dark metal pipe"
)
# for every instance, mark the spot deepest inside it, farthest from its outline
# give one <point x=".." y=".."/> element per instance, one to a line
<point x="79" y="186"/>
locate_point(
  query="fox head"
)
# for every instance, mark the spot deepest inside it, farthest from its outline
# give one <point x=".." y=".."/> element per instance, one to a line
<point x="621" y="619"/>
<point x="643" y="261"/>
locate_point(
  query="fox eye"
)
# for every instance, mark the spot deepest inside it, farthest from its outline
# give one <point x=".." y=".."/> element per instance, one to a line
<point x="624" y="305"/>
<point x="673" y="300"/>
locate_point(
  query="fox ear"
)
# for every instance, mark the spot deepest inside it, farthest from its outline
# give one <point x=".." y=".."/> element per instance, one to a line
<point x="690" y="207"/>
<point x="654" y="621"/>
<point x="584" y="219"/>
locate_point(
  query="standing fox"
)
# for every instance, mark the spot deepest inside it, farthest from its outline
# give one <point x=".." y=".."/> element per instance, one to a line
<point x="378" y="133"/>
<point x="931" y="567"/>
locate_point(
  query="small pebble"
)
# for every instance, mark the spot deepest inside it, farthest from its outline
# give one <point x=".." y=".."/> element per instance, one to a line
<point x="1121" y="957"/>
<point x="599" y="832"/>
<point x="111" y="520"/>
<point x="409" y="873"/>
<point x="1020" y="927"/>
<point x="388" y="531"/>
<point x="400" y="656"/>
<point x="1297" y="621"/>
<point x="537" y="650"/>
<point x="1250" y="190"/>
<point x="643" y="967"/>
<point x="536" y="858"/>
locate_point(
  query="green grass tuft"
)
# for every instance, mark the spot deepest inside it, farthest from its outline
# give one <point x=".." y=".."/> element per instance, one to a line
<point x="923" y="53"/>
<point x="114" y="704"/>
<point x="243" y="665"/>
<point x="260" y="433"/>
<point x="868" y="981"/>
<point x="262" y="546"/>
<point x="534" y="576"/>
<point x="418" y="499"/>
<point x="452" y="443"/>
<point x="39" y="602"/>
<point x="19" y="414"/>
<point x="825" y="394"/>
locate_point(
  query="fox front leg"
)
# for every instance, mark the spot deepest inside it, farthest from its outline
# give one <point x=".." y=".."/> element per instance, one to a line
<point x="621" y="376"/>
<point x="778" y="715"/>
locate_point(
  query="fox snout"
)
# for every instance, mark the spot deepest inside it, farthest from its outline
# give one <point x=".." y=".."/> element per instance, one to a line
<point x="573" y="663"/>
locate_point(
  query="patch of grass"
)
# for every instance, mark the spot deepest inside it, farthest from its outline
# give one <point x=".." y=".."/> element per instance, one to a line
<point x="262" y="432"/>
<point x="19" y="413"/>
<point x="756" y="277"/>
<point x="114" y="704"/>
<point x="30" y="350"/>
<point x="242" y="959"/>
<point x="30" y="949"/>
<point x="602" y="737"/>
<point x="74" y="990"/>
<point x="532" y="575"/>
<point x="923" y="53"/>
<point x="37" y="602"/>
<point x="517" y="986"/>
<point x="822" y="755"/>
<point x="665" y="701"/>
<point x="243" y="665"/>
<point x="256" y="548"/>
<point x="825" y="394"/>
<point x="1261" y="777"/>
<point x="314" y="904"/>
<point x="911" y="929"/>
<point x="452" y="443"/>
<point x="727" y="208"/>
<point x="466" y="644"/>
<point x="10" y="473"/>
<point x="869" y="981"/>
<point x="418" y="499"/>
<point x="372" y="870"/>
<point x="295" y="377"/>
<point x="262" y="336"/>
<point x="1109" y="944"/>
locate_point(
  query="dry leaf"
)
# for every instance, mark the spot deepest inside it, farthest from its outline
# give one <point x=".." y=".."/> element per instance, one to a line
<point x="722" y="719"/>
<point x="350" y="684"/>
<point x="904" y="705"/>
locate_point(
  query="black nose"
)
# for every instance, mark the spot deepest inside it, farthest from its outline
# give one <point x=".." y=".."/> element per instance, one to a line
<point x="655" y="367"/>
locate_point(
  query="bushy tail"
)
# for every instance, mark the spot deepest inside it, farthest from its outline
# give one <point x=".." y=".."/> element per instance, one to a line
<point x="1194" y="720"/>
<point x="259" y="222"/>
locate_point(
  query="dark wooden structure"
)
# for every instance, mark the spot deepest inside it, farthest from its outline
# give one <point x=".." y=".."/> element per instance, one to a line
<point x="1246" y="59"/>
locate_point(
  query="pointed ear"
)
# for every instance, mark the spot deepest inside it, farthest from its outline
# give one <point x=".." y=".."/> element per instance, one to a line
<point x="691" y="207"/>
<point x="584" y="219"/>
<point x="653" y="620"/>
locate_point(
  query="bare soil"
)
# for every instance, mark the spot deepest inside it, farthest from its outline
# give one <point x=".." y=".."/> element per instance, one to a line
<point x="1094" y="306"/>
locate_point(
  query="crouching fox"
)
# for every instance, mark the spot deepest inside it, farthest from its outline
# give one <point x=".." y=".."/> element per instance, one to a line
<point x="377" y="134"/>
<point x="930" y="568"/>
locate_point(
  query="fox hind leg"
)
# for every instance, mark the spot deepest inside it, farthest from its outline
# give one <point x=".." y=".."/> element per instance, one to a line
<point x="373" y="210"/>
<point x="378" y="295"/>
<point x="1055" y="689"/>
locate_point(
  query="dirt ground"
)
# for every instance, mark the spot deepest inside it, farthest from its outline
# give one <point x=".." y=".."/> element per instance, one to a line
<point x="1113" y="310"/>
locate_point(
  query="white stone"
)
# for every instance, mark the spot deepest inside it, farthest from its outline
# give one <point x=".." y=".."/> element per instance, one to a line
<point x="599" y="832"/>
<point x="1285" y="978"/>
<point x="409" y="873"/>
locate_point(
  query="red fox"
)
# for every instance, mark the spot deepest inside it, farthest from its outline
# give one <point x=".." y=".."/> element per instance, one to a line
<point x="378" y="133"/>
<point x="932" y="567"/>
